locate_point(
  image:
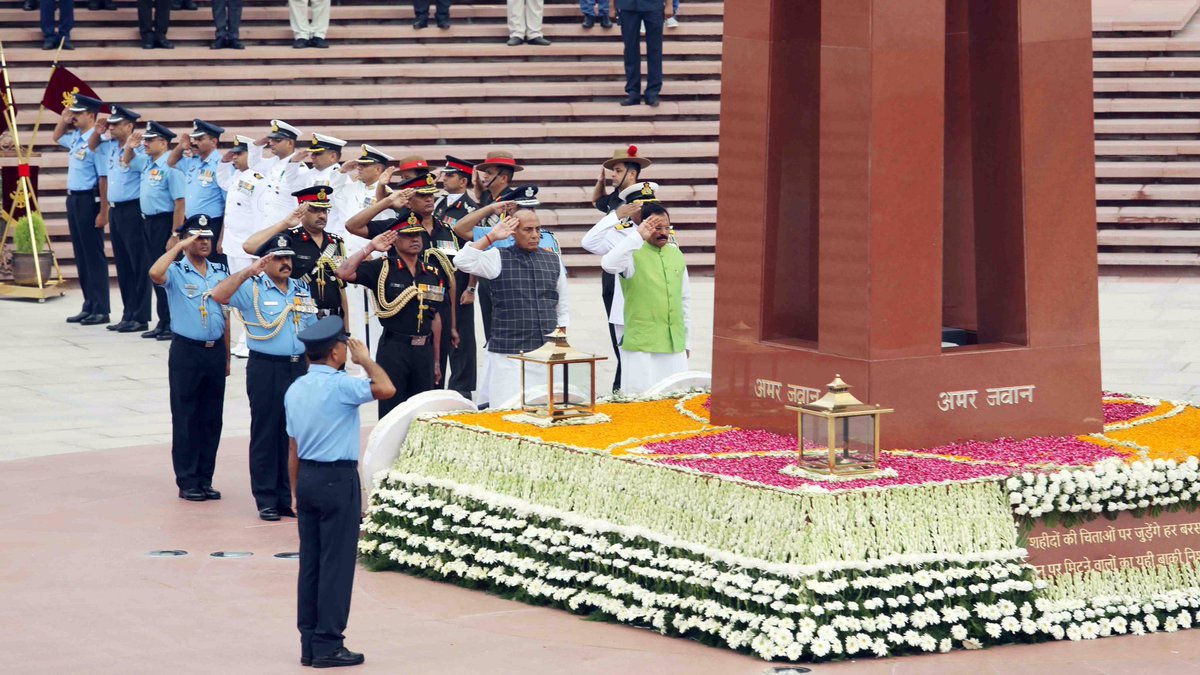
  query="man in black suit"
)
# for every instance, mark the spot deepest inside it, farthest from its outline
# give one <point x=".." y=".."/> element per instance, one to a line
<point x="635" y="13"/>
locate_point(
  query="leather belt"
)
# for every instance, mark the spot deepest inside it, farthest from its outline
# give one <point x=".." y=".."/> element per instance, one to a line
<point x="344" y="463"/>
<point x="206" y="344"/>
<point x="294" y="358"/>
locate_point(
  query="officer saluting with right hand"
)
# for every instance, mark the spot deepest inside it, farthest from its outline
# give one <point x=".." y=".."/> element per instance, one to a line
<point x="323" y="426"/>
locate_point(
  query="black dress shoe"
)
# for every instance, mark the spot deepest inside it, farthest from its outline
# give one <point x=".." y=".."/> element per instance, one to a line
<point x="94" y="320"/>
<point x="318" y="43"/>
<point x="50" y="43"/>
<point x="652" y="100"/>
<point x="66" y="44"/>
<point x="108" y="5"/>
<point x="163" y="43"/>
<point x="78" y="317"/>
<point x="192" y="495"/>
<point x="306" y="660"/>
<point x="236" y="44"/>
<point x="605" y="22"/>
<point x="514" y="41"/>
<point x="165" y="335"/>
<point x="443" y="23"/>
<point x="631" y="100"/>
<point x="209" y="492"/>
<point x="420" y="22"/>
<point x="342" y="657"/>
<point x="300" y="43"/>
<point x="286" y="512"/>
<point x="94" y="5"/>
<point x="30" y="5"/>
<point x="116" y="326"/>
<point x="588" y="21"/>
<point x="219" y="43"/>
<point x="152" y="333"/>
<point x="147" y="43"/>
<point x="133" y="327"/>
<point x="541" y="42"/>
<point x="268" y="514"/>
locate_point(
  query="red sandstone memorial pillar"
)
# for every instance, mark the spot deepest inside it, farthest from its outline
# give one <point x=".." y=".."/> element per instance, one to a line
<point x="891" y="168"/>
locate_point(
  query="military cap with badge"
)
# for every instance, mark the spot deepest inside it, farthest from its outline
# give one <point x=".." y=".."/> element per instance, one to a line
<point x="316" y="196"/>
<point x="322" y="143"/>
<point x="202" y="128"/>
<point x="282" y="131"/>
<point x="81" y="103"/>
<point x="279" y="245"/>
<point x="197" y="225"/>
<point x="371" y="155"/>
<point x="120" y="114"/>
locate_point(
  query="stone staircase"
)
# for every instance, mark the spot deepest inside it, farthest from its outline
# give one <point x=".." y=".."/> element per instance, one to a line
<point x="460" y="91"/>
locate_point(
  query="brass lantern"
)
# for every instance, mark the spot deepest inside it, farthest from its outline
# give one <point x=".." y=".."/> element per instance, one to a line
<point x="839" y="434"/>
<point x="559" y="356"/>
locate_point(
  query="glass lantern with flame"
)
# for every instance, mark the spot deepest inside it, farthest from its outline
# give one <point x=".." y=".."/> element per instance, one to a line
<point x="839" y="434"/>
<point x="557" y="355"/>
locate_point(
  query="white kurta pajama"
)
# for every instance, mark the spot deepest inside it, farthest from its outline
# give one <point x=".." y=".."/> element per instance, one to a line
<point x="500" y="381"/>
<point x="641" y="370"/>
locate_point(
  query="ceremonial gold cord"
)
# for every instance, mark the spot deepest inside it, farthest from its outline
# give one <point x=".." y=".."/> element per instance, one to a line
<point x="384" y="308"/>
<point x="262" y="323"/>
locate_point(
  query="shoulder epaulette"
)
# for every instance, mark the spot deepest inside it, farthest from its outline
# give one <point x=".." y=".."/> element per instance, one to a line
<point x="258" y="175"/>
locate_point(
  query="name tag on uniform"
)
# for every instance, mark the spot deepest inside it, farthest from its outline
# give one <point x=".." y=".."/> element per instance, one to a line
<point x="271" y="303"/>
<point x="190" y="287"/>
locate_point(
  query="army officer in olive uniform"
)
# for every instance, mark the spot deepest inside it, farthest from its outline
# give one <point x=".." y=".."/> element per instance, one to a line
<point x="408" y="294"/>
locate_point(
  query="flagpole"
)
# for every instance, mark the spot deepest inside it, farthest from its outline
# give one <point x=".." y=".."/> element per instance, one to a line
<point x="24" y="181"/>
<point x="41" y="106"/>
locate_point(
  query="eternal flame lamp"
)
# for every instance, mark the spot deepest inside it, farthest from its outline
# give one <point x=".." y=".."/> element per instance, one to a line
<point x="839" y="434"/>
<point x="556" y="352"/>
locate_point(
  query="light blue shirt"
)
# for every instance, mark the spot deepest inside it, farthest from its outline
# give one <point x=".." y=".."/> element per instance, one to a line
<point x="160" y="184"/>
<point x="271" y="303"/>
<point x="124" y="182"/>
<point x="84" y="167"/>
<point x="322" y="413"/>
<point x="547" y="241"/>
<point x="187" y="291"/>
<point x="204" y="196"/>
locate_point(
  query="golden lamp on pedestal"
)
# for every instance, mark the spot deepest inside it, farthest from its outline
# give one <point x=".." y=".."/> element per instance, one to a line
<point x="556" y="352"/>
<point x="838" y="434"/>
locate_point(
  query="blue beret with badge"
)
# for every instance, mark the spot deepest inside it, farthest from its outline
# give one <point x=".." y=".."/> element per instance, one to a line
<point x="324" y="333"/>
<point x="197" y="224"/>
<point x="122" y="114"/>
<point x="278" y="245"/>
<point x="202" y="128"/>
<point x="156" y="130"/>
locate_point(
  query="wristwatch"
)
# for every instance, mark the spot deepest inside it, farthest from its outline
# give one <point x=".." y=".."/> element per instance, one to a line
<point x="470" y="289"/>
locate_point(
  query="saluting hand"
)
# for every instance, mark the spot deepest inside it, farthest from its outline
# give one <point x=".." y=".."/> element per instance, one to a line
<point x="101" y="126"/>
<point x="229" y="156"/>
<point x="628" y="211"/>
<point x="189" y="240"/>
<point x="259" y="265"/>
<point x="185" y="141"/>
<point x="358" y="351"/>
<point x="505" y="229"/>
<point x="387" y="175"/>
<point x="295" y="217"/>
<point x="383" y="241"/>
<point x="134" y="140"/>
<point x="399" y="199"/>
<point x="301" y="156"/>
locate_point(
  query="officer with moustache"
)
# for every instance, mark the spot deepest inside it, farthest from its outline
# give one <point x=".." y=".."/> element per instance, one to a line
<point x="275" y="308"/>
<point x="407" y="292"/>
<point x="199" y="360"/>
<point x="197" y="156"/>
<point x="318" y="251"/>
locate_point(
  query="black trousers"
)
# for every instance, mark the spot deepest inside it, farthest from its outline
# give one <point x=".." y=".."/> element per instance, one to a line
<point x="227" y="17"/>
<point x="327" y="509"/>
<point x="154" y="16"/>
<point x="129" y="254"/>
<point x="608" y="288"/>
<point x="461" y="360"/>
<point x="409" y="367"/>
<point x="157" y="229"/>
<point x="267" y="380"/>
<point x="631" y="26"/>
<point x="196" y="375"/>
<point x="421" y="8"/>
<point x="87" y="243"/>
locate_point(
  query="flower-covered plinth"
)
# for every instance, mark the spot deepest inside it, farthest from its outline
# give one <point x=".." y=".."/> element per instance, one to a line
<point x="663" y="520"/>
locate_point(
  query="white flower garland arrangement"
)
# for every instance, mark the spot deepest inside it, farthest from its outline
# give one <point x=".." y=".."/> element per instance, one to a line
<point x="1109" y="486"/>
<point x="904" y="604"/>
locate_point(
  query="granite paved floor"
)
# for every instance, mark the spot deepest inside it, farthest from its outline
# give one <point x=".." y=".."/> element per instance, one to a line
<point x="85" y="492"/>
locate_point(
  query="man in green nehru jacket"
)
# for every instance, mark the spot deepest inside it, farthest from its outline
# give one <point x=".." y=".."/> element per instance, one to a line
<point x="654" y="280"/>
